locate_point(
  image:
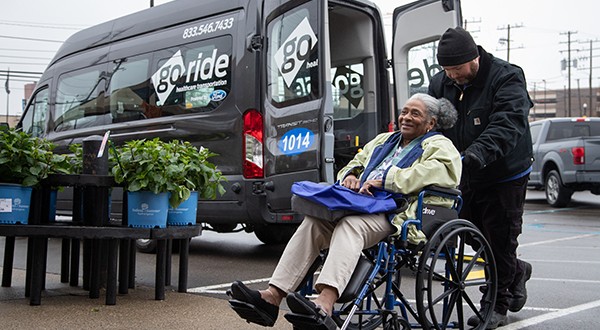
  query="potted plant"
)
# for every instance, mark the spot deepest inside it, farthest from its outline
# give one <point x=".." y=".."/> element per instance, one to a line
<point x="24" y="162"/>
<point x="149" y="171"/>
<point x="198" y="178"/>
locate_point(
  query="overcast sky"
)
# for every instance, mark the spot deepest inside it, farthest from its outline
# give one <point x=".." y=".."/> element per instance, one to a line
<point x="538" y="34"/>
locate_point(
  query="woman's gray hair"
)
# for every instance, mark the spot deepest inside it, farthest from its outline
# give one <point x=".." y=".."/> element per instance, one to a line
<point x="441" y="109"/>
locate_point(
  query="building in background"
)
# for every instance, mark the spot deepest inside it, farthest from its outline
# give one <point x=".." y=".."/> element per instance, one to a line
<point x="554" y="103"/>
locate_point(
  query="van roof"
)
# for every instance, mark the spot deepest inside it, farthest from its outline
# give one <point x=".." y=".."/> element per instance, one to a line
<point x="152" y="19"/>
<point x="144" y="21"/>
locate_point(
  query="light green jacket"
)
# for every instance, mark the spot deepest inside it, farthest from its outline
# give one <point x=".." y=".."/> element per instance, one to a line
<point x="439" y="165"/>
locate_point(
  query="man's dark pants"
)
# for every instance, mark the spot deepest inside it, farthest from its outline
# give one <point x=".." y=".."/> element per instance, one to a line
<point x="497" y="210"/>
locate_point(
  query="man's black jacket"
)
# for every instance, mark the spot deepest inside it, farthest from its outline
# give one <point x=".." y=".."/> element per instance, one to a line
<point x="492" y="121"/>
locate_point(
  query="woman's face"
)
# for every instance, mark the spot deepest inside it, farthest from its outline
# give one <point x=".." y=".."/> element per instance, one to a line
<point x="414" y="120"/>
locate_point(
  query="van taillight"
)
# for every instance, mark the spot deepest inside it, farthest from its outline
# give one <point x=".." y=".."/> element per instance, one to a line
<point x="253" y="145"/>
<point x="578" y="155"/>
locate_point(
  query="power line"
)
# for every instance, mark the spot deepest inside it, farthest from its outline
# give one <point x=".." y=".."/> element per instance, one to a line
<point x="27" y="57"/>
<point x="42" y="23"/>
<point x="27" y="50"/>
<point x="31" y="39"/>
<point x="23" y="72"/>
<point x="42" y="26"/>
<point x="21" y="63"/>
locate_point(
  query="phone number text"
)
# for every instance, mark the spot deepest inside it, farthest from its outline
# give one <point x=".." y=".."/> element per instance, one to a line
<point x="211" y="27"/>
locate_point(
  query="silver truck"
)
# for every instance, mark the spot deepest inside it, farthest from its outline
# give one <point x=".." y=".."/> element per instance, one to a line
<point x="567" y="157"/>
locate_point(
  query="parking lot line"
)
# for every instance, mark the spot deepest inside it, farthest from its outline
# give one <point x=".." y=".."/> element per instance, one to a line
<point x="557" y="240"/>
<point x="551" y="316"/>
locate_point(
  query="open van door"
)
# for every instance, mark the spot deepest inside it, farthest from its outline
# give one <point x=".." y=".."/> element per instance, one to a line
<point x="417" y="28"/>
<point x="297" y="113"/>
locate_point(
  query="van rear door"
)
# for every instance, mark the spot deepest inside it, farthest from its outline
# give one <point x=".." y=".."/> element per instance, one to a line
<point x="417" y="29"/>
<point x="298" y="131"/>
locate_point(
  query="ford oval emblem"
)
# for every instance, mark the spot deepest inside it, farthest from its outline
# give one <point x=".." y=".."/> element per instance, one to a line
<point x="218" y="95"/>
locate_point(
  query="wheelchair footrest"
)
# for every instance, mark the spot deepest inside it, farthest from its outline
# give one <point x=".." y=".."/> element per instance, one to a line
<point x="310" y="322"/>
<point x="251" y="314"/>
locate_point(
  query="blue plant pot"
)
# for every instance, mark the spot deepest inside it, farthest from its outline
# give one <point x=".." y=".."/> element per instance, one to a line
<point x="147" y="210"/>
<point x="185" y="213"/>
<point x="14" y="203"/>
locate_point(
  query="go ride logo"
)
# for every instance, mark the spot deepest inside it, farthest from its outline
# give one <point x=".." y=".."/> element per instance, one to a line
<point x="295" y="51"/>
<point x="201" y="73"/>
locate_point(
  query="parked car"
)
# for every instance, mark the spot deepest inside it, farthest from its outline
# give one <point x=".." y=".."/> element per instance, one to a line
<point x="567" y="157"/>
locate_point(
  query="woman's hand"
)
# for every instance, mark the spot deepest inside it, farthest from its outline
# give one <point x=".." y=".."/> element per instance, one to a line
<point x="351" y="182"/>
<point x="365" y="189"/>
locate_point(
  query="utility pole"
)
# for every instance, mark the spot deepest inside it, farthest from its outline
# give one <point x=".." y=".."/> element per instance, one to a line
<point x="568" y="33"/>
<point x="545" y="102"/>
<point x="7" y="88"/>
<point x="507" y="40"/>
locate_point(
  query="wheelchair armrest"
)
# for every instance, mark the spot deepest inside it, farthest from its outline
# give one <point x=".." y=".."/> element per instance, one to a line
<point x="442" y="190"/>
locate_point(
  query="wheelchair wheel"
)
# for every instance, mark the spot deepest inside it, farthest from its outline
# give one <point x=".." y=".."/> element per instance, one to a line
<point x="456" y="271"/>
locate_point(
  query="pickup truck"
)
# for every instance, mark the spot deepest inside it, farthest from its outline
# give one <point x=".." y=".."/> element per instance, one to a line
<point x="566" y="157"/>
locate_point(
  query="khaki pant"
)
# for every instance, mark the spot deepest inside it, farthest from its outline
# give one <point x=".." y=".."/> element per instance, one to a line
<point x="345" y="241"/>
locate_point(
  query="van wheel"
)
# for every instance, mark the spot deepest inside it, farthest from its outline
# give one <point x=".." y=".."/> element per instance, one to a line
<point x="146" y="245"/>
<point x="557" y="195"/>
<point x="275" y="234"/>
<point x="149" y="246"/>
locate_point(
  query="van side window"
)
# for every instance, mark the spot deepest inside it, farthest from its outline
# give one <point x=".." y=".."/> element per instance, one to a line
<point x="128" y="90"/>
<point x="192" y="78"/>
<point x="79" y="101"/>
<point x="422" y="65"/>
<point x="34" y="119"/>
<point x="348" y="91"/>
<point x="293" y="63"/>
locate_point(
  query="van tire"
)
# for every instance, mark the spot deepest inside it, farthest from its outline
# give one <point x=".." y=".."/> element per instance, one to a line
<point x="557" y="195"/>
<point x="146" y="245"/>
<point x="275" y="234"/>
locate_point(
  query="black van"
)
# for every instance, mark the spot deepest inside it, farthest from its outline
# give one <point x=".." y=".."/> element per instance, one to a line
<point x="281" y="90"/>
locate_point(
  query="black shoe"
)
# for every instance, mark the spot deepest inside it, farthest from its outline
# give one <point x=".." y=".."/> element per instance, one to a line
<point x="249" y="305"/>
<point x="474" y="320"/>
<point x="497" y="320"/>
<point x="519" y="293"/>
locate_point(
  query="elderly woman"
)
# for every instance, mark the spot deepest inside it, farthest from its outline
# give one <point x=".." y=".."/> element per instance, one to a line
<point x="382" y="164"/>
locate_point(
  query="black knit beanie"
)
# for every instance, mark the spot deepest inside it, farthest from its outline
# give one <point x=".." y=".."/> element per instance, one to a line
<point x="456" y="47"/>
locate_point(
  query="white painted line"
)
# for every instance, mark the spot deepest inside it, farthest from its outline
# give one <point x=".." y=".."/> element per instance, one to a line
<point x="562" y="280"/>
<point x="557" y="240"/>
<point x="206" y="289"/>
<point x="551" y="316"/>
<point x="556" y="261"/>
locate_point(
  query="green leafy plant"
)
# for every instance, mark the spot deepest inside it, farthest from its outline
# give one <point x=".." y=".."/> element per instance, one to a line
<point x="198" y="174"/>
<point x="27" y="160"/>
<point x="176" y="167"/>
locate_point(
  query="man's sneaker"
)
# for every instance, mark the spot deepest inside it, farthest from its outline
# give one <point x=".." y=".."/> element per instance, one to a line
<point x="497" y="320"/>
<point x="519" y="293"/>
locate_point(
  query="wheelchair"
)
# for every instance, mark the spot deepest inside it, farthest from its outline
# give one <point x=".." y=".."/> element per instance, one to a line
<point x="446" y="292"/>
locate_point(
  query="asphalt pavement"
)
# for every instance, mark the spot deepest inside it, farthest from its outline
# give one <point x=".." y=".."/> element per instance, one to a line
<point x="65" y="307"/>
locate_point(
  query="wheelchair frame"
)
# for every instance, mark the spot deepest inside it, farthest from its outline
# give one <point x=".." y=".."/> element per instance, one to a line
<point x="442" y="296"/>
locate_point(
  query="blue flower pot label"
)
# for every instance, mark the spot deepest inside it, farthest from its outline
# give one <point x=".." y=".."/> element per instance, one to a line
<point x="14" y="203"/>
<point x="185" y="213"/>
<point x="147" y="210"/>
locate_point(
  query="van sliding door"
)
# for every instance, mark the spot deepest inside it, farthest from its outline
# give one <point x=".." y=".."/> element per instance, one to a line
<point x="298" y="141"/>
